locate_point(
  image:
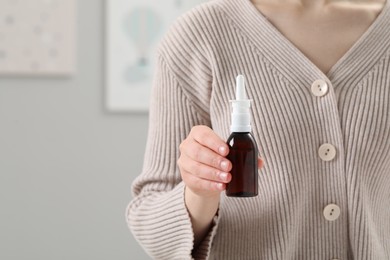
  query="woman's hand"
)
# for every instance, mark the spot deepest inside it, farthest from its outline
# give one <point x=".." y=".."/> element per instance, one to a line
<point x="202" y="163"/>
<point x="205" y="172"/>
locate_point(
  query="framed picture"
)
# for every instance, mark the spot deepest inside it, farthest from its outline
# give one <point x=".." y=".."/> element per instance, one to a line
<point x="133" y="31"/>
<point x="37" y="37"/>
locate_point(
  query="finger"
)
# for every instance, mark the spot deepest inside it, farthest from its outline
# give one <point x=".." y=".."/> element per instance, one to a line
<point x="201" y="154"/>
<point x="199" y="185"/>
<point x="203" y="171"/>
<point x="207" y="137"/>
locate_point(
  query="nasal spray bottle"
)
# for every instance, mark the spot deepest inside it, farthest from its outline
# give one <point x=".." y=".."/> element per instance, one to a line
<point x="243" y="151"/>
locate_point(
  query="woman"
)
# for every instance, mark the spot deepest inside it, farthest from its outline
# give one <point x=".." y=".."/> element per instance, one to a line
<point x="319" y="74"/>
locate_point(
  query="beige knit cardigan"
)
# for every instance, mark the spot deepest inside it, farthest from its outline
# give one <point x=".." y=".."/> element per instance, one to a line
<point x="198" y="61"/>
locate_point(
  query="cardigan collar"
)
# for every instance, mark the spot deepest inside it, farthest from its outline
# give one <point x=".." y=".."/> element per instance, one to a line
<point x="292" y="63"/>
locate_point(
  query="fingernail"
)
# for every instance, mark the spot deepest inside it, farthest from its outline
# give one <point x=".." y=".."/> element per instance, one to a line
<point x="223" y="176"/>
<point x="222" y="149"/>
<point x="224" y="165"/>
<point x="219" y="186"/>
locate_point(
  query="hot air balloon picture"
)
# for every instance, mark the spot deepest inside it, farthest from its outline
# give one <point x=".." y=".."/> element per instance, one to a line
<point x="143" y="26"/>
<point x="134" y="29"/>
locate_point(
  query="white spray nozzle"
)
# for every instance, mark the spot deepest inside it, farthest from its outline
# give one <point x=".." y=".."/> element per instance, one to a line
<point x="240" y="88"/>
<point x="241" y="106"/>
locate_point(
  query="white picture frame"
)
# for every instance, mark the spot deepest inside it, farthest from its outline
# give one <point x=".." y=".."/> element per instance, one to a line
<point x="133" y="31"/>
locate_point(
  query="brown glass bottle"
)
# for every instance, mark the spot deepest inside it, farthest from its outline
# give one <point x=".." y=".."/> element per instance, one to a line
<point x="243" y="155"/>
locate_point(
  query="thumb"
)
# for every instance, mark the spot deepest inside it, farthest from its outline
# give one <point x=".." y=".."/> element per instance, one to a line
<point x="260" y="163"/>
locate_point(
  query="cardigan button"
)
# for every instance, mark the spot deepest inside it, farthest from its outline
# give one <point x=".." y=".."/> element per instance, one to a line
<point x="331" y="212"/>
<point x="327" y="152"/>
<point x="319" y="88"/>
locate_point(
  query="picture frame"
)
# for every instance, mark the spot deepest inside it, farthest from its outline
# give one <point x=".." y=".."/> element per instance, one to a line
<point x="133" y="30"/>
<point x="38" y="38"/>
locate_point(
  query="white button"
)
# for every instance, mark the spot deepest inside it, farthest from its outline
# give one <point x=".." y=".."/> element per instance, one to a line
<point x="319" y="88"/>
<point x="331" y="212"/>
<point x="327" y="152"/>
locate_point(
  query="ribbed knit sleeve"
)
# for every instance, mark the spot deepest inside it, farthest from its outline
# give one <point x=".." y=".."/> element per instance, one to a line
<point x="157" y="215"/>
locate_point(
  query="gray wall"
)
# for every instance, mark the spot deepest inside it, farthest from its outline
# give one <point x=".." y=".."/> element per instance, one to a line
<point x="66" y="164"/>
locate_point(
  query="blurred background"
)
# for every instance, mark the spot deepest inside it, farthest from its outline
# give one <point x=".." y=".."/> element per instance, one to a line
<point x="68" y="154"/>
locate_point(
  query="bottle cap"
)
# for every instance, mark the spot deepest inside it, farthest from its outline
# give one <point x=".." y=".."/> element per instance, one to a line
<point x="241" y="121"/>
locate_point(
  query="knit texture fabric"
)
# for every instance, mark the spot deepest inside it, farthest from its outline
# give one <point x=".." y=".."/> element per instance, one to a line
<point x="198" y="61"/>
